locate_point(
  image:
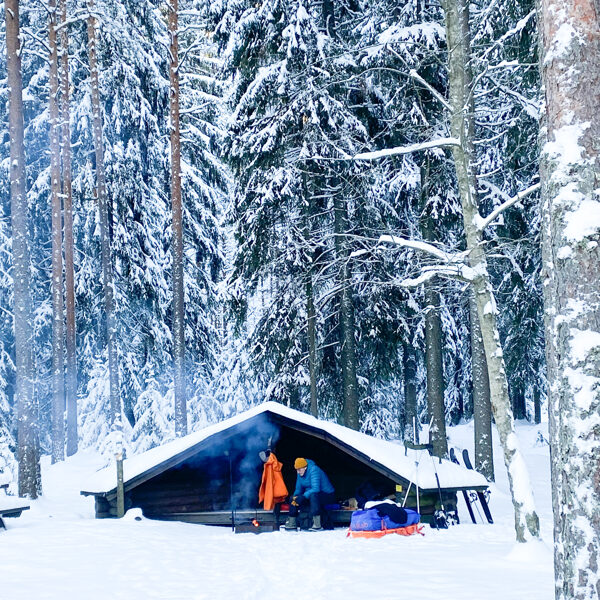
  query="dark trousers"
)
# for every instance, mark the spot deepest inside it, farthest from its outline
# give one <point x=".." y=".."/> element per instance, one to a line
<point x="315" y="504"/>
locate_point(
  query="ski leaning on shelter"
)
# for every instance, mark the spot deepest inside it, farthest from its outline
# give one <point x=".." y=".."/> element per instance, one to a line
<point x="483" y="500"/>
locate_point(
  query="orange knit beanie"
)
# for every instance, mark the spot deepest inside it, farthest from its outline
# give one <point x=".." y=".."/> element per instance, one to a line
<point x="300" y="463"/>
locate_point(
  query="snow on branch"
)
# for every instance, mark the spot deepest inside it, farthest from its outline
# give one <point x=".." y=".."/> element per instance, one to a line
<point x="453" y="264"/>
<point x="79" y="15"/>
<point x="447" y="257"/>
<point x="439" y="143"/>
<point x="433" y="91"/>
<point x="516" y="29"/>
<point x="462" y="272"/>
<point x="482" y="223"/>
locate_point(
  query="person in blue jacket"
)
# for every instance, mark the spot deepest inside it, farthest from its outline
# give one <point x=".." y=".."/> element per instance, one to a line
<point x="313" y="491"/>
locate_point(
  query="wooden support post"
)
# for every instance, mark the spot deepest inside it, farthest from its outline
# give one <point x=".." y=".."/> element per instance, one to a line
<point x="120" y="488"/>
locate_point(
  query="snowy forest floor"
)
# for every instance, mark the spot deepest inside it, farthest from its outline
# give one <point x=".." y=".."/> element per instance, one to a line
<point x="58" y="551"/>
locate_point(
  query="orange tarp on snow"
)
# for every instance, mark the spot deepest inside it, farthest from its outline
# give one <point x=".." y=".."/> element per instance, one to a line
<point x="408" y="530"/>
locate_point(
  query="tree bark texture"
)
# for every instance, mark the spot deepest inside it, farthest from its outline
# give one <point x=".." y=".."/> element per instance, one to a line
<point x="58" y="350"/>
<point x="436" y="407"/>
<point x="347" y="343"/>
<point x="65" y="117"/>
<point x="461" y="126"/>
<point x="178" y="289"/>
<point x="27" y="417"/>
<point x="411" y="416"/>
<point x="312" y="345"/>
<point x="519" y="404"/>
<point x="435" y="373"/>
<point x="107" y="274"/>
<point x="537" y="405"/>
<point x="570" y="40"/>
<point x="482" y="408"/>
<point x="311" y="315"/>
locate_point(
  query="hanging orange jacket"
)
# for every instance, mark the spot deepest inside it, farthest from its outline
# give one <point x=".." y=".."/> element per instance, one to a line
<point x="272" y="487"/>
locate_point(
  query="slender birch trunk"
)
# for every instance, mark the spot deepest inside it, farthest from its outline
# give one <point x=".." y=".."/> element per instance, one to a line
<point x="58" y="350"/>
<point x="65" y="117"/>
<point x="526" y="519"/>
<point x="107" y="274"/>
<point x="348" y="346"/>
<point x="570" y="44"/>
<point x="27" y="417"/>
<point x="178" y="288"/>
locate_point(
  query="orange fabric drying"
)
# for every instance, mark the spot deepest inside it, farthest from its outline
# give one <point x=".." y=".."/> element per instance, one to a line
<point x="272" y="487"/>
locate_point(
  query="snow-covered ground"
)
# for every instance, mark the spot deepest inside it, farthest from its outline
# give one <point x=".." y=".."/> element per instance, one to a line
<point x="58" y="551"/>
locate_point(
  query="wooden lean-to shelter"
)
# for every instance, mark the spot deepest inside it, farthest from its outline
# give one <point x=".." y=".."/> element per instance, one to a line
<point x="212" y="476"/>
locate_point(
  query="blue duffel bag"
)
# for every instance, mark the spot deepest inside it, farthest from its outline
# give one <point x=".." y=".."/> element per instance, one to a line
<point x="371" y="520"/>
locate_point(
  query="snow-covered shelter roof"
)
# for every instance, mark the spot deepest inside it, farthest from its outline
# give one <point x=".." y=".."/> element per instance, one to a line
<point x="389" y="458"/>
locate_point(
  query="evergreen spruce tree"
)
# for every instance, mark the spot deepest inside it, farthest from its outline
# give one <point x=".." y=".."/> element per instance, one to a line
<point x="286" y="126"/>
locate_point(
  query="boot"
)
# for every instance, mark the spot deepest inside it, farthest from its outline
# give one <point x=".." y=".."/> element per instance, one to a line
<point x="291" y="524"/>
<point x="316" y="526"/>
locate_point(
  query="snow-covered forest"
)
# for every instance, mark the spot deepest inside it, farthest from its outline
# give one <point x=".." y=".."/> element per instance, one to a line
<point x="384" y="213"/>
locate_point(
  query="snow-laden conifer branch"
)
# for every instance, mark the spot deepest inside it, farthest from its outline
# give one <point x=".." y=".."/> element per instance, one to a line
<point x="516" y="29"/>
<point x="414" y="75"/>
<point x="426" y="85"/>
<point x="528" y="105"/>
<point x="456" y="271"/>
<point x="481" y="223"/>
<point x="36" y="38"/>
<point x="77" y="16"/>
<point x="439" y="143"/>
<point x="446" y="257"/>
<point x="452" y="265"/>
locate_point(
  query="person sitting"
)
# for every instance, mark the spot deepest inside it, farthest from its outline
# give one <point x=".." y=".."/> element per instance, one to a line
<point x="313" y="490"/>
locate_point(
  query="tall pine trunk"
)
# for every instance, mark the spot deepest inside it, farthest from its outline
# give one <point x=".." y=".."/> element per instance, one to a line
<point x="435" y="372"/>
<point x="178" y="289"/>
<point x="459" y="52"/>
<point x="571" y="254"/>
<point x="27" y="417"/>
<point x="311" y="315"/>
<point x="347" y="343"/>
<point x="411" y="416"/>
<point x="312" y="345"/>
<point x="58" y="351"/>
<point x="65" y="116"/>
<point x="537" y="405"/>
<point x="482" y="408"/>
<point x="433" y="342"/>
<point x="106" y="258"/>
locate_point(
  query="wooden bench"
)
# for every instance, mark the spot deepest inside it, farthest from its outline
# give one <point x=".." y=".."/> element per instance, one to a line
<point x="340" y="518"/>
<point x="10" y="506"/>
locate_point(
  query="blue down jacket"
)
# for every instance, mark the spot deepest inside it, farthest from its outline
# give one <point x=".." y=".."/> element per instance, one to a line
<point x="313" y="481"/>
